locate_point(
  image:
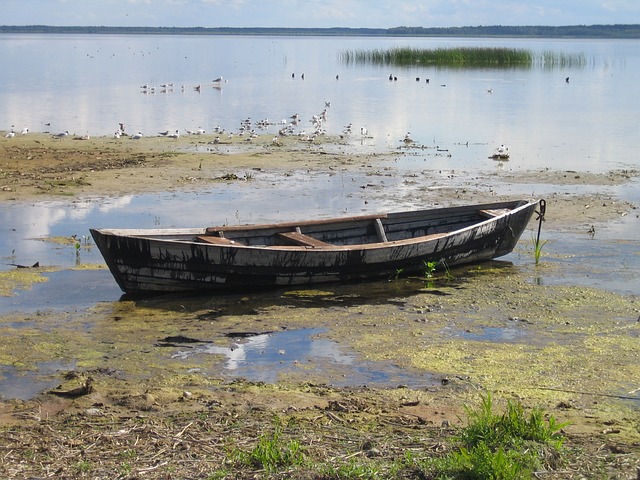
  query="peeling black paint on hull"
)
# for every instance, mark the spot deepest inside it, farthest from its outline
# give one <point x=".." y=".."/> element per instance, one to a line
<point x="148" y="264"/>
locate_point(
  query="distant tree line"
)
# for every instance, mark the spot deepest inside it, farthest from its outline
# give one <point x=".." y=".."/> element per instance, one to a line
<point x="576" y="31"/>
<point x="569" y="31"/>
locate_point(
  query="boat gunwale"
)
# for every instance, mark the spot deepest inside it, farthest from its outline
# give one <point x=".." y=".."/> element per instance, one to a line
<point x="145" y="234"/>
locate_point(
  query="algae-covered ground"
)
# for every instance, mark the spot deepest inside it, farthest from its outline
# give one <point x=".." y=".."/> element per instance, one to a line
<point x="571" y="351"/>
<point x="163" y="401"/>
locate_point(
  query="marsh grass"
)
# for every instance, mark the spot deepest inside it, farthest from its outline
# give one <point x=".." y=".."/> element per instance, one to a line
<point x="550" y="59"/>
<point x="471" y="57"/>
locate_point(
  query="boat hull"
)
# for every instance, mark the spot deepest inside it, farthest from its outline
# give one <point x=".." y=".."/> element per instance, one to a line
<point x="150" y="262"/>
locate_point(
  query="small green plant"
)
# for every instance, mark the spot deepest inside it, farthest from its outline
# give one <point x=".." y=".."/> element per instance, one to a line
<point x="396" y="274"/>
<point x="125" y="468"/>
<point x="270" y="454"/>
<point x="83" y="466"/>
<point x="429" y="269"/>
<point x="537" y="248"/>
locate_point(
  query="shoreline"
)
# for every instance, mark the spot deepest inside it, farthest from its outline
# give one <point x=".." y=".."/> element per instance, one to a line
<point x="40" y="167"/>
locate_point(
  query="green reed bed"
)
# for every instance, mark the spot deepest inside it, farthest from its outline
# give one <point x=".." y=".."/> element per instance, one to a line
<point x="550" y="59"/>
<point x="462" y="57"/>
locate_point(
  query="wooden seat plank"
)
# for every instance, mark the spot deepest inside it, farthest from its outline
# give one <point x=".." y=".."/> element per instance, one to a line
<point x="304" y="240"/>
<point x="493" y="213"/>
<point x="217" y="240"/>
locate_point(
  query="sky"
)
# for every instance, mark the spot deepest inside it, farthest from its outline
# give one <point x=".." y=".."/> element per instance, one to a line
<point x="317" y="13"/>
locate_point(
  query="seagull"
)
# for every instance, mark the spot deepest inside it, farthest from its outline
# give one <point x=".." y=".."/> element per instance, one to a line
<point x="407" y="138"/>
<point x="62" y="134"/>
<point x="501" y="152"/>
<point x="25" y="130"/>
<point x="363" y="131"/>
<point x="137" y="136"/>
<point x="11" y="134"/>
<point x="164" y="134"/>
<point x="174" y="135"/>
<point x="200" y="131"/>
<point x="219" y="80"/>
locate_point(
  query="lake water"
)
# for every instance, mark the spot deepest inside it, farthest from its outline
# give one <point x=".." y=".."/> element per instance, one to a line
<point x="89" y="84"/>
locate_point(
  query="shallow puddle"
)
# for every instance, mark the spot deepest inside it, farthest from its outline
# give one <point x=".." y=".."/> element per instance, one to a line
<point x="27" y="384"/>
<point x="266" y="357"/>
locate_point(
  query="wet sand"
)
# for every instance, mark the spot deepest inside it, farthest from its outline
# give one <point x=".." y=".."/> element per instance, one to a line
<point x="38" y="166"/>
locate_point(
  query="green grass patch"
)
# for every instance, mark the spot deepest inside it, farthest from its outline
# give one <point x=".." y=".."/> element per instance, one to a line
<point x="507" y="446"/>
<point x="272" y="454"/>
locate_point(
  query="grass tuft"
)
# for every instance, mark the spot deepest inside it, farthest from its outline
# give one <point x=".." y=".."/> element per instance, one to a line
<point x="506" y="446"/>
<point x="271" y="454"/>
<point x="537" y="248"/>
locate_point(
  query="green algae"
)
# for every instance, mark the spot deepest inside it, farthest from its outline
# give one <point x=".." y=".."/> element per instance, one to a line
<point x="21" y="279"/>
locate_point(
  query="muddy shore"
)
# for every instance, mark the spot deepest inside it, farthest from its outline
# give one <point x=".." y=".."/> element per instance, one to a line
<point x="575" y="354"/>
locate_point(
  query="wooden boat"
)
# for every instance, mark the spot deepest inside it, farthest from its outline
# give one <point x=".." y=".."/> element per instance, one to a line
<point x="308" y="252"/>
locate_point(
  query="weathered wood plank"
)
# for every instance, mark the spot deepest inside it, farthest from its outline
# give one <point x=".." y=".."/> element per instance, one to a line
<point x="302" y="239"/>
<point x="380" y="230"/>
<point x="493" y="212"/>
<point x="217" y="240"/>
<point x="293" y="225"/>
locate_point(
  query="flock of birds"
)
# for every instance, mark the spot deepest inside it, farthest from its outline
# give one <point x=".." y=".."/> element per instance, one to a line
<point x="291" y="126"/>
<point x="11" y="133"/>
<point x="168" y="87"/>
<point x="250" y="130"/>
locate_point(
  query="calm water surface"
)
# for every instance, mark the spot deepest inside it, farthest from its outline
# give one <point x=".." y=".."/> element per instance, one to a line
<point x="87" y="84"/>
